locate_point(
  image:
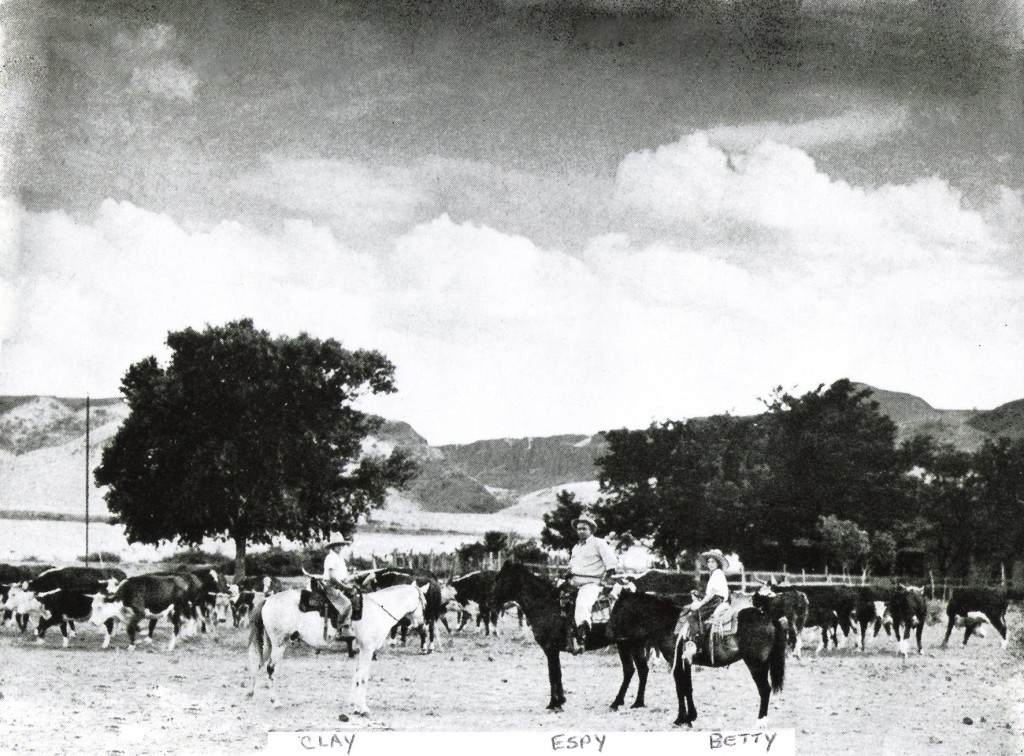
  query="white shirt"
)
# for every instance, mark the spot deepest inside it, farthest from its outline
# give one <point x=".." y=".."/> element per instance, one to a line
<point x="335" y="567"/>
<point x="717" y="585"/>
<point x="592" y="558"/>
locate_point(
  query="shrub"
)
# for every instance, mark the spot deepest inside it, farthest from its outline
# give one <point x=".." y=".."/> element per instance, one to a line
<point x="193" y="556"/>
<point x="100" y="557"/>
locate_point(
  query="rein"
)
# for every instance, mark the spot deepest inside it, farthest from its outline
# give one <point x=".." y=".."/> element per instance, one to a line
<point x="366" y="596"/>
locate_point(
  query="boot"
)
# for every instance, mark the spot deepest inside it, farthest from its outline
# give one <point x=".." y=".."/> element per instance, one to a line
<point x="582" y="631"/>
<point x="570" y="641"/>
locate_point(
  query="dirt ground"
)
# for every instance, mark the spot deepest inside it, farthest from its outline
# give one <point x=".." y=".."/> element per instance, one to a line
<point x="190" y="701"/>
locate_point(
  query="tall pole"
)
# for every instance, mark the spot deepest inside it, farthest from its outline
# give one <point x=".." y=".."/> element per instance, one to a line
<point x="86" y="479"/>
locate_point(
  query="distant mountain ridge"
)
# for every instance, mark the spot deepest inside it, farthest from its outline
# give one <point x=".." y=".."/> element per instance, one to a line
<point x="42" y="455"/>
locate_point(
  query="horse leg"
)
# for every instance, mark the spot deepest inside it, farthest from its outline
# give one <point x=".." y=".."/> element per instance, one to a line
<point x="275" y="656"/>
<point x="555" y="679"/>
<point x="920" y="631"/>
<point x="759" y="671"/>
<point x="949" y="630"/>
<point x="360" y="680"/>
<point x="999" y="623"/>
<point x="681" y="674"/>
<point x="626" y="658"/>
<point x="640" y="660"/>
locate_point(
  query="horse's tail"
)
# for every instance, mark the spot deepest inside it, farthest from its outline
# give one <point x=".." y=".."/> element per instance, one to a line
<point x="777" y="659"/>
<point x="259" y="639"/>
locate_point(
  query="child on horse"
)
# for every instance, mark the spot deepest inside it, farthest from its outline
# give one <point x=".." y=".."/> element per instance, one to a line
<point x="716" y="593"/>
<point x="591" y="561"/>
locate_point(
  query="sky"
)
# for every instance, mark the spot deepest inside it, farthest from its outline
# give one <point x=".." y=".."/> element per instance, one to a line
<point x="552" y="217"/>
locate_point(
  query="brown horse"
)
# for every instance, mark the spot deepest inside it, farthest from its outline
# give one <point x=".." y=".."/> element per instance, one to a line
<point x="759" y="641"/>
<point x="638" y="621"/>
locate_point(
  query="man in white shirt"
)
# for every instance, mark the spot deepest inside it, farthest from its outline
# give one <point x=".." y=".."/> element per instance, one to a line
<point x="590" y="561"/>
<point x="335" y="579"/>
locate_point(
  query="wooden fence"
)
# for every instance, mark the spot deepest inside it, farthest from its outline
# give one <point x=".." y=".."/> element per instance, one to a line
<point x="450" y="564"/>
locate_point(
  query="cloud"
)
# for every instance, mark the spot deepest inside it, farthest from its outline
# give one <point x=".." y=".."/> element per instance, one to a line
<point x="149" y="52"/>
<point x="854" y="126"/>
<point x="168" y="80"/>
<point x="727" y="273"/>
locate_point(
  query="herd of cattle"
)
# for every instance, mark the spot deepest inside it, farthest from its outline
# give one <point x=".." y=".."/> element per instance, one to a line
<point x="60" y="596"/>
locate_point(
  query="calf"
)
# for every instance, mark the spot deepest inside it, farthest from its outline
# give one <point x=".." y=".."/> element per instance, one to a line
<point x="434" y="603"/>
<point x="789" y="603"/>
<point x="872" y="610"/>
<point x="65" y="595"/>
<point x="475" y="588"/>
<point x="988" y="602"/>
<point x="831" y="608"/>
<point x="909" y="610"/>
<point x="145" y="596"/>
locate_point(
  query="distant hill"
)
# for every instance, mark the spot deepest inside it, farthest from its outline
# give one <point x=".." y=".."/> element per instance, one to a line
<point x="528" y="464"/>
<point x="914" y="416"/>
<point x="42" y="458"/>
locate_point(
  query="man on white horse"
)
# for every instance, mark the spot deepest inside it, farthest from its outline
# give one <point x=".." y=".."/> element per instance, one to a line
<point x="335" y="583"/>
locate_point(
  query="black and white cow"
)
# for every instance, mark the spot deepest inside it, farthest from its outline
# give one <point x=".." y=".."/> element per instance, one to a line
<point x="244" y="593"/>
<point x="145" y="597"/>
<point x="65" y="594"/>
<point x="433" y="596"/>
<point x="830" y="608"/>
<point x="873" y="611"/>
<point x="909" y="611"/>
<point x="975" y="605"/>
<point x="792" y="604"/>
<point x="473" y="591"/>
<point x="13" y="577"/>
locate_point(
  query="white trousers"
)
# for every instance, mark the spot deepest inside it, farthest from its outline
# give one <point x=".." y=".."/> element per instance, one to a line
<point x="585" y="599"/>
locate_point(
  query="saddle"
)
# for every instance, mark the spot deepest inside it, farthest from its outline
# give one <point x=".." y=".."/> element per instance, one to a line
<point x="599" y="614"/>
<point x="722" y="624"/>
<point x="316" y="600"/>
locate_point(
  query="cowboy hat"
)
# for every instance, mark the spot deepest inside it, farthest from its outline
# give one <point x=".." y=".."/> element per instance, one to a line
<point x="716" y="554"/>
<point x="586" y="519"/>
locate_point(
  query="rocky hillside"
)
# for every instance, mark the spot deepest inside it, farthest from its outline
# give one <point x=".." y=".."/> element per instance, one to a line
<point x="42" y="456"/>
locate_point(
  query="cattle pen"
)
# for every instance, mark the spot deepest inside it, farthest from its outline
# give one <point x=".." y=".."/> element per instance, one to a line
<point x="957" y="700"/>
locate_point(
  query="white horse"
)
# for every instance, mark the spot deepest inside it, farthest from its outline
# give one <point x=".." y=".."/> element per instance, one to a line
<point x="277" y="618"/>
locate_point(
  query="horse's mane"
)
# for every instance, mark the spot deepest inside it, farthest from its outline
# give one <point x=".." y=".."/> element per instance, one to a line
<point x="536" y="584"/>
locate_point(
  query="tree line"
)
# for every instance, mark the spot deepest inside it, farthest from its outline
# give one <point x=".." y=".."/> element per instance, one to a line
<point x="816" y="482"/>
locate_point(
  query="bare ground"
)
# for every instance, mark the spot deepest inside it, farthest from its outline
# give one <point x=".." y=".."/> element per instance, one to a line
<point x="191" y="701"/>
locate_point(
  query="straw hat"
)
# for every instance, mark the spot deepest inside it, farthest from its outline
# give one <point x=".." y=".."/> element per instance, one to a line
<point x="585" y="518"/>
<point x="339" y="542"/>
<point x="716" y="554"/>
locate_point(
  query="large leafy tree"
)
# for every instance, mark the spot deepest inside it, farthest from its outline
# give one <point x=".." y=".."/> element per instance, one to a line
<point x="246" y="437"/>
<point x="999" y="469"/>
<point x="831" y="452"/>
<point x="684" y="484"/>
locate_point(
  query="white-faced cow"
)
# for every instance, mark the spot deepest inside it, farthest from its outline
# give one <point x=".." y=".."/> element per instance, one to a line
<point x="873" y="610"/>
<point x="989" y="603"/>
<point x="244" y="593"/>
<point x="65" y="595"/>
<point x="145" y="597"/>
<point x="13" y="577"/>
<point x="909" y="611"/>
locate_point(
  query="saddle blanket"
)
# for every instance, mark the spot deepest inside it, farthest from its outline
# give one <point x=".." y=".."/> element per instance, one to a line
<point x="722" y="623"/>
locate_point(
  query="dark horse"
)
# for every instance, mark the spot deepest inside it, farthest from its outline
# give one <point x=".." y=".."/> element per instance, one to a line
<point x="759" y="641"/>
<point x="539" y="599"/>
